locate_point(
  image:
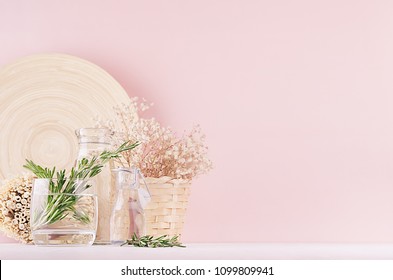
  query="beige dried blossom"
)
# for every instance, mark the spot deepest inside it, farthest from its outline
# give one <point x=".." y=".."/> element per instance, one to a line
<point x="15" y="198"/>
<point x="161" y="152"/>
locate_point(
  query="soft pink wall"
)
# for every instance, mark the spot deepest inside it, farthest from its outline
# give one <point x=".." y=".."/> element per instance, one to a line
<point x="296" y="98"/>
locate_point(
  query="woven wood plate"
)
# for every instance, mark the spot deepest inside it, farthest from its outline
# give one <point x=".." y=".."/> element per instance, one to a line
<point x="43" y="99"/>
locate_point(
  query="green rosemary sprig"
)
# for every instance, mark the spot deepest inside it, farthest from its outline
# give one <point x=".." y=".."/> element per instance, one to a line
<point x="126" y="146"/>
<point x="62" y="200"/>
<point x="154" y="242"/>
<point x="39" y="171"/>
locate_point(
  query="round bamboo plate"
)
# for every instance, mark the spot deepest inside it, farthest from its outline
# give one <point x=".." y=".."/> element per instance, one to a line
<point x="43" y="99"/>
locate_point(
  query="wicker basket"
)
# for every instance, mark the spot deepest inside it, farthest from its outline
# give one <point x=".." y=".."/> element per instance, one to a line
<point x="165" y="214"/>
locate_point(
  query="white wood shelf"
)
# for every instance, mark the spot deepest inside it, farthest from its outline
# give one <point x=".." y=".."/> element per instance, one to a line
<point x="204" y="251"/>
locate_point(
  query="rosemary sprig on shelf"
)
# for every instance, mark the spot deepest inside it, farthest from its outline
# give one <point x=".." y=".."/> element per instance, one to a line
<point x="154" y="242"/>
<point x="62" y="200"/>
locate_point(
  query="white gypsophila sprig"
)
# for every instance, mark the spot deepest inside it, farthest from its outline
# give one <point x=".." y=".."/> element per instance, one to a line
<point x="161" y="152"/>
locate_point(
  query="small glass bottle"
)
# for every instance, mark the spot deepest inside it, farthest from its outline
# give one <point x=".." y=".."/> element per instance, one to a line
<point x="128" y="210"/>
<point x="92" y="142"/>
<point x="120" y="219"/>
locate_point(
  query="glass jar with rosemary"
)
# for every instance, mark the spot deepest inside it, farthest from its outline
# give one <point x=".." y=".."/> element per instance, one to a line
<point x="62" y="211"/>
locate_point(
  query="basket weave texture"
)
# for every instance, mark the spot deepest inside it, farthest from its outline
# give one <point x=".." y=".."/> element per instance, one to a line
<point x="165" y="213"/>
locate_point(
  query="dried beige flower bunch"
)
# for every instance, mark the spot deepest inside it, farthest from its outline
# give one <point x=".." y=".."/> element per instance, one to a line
<point x="15" y="196"/>
<point x="161" y="152"/>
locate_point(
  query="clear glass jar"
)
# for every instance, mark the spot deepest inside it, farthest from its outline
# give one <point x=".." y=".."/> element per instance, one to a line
<point x="62" y="219"/>
<point x="92" y="142"/>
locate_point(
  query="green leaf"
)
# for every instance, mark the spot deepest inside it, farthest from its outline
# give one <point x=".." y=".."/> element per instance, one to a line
<point x="153" y="242"/>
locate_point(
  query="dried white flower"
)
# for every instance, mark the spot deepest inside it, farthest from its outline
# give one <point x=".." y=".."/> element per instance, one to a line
<point x="161" y="152"/>
<point x="15" y="208"/>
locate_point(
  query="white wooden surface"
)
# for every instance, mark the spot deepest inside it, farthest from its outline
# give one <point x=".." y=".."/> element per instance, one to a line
<point x="278" y="251"/>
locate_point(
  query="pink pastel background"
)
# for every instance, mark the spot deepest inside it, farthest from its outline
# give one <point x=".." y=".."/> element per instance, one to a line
<point x="295" y="97"/>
